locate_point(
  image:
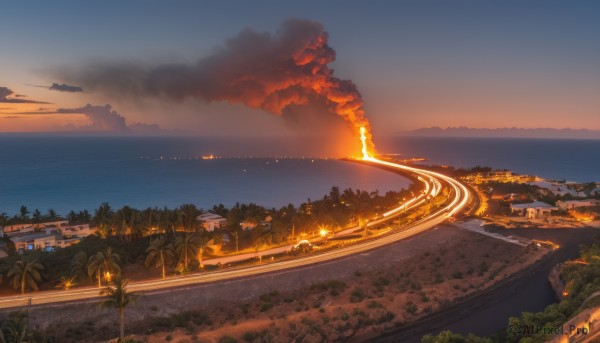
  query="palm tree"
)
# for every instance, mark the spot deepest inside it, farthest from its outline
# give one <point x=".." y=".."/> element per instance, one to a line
<point x="52" y="214"/>
<point x="188" y="214"/>
<point x="186" y="247"/>
<point x="160" y="253"/>
<point x="26" y="273"/>
<point x="119" y="298"/>
<point x="104" y="262"/>
<point x="24" y="212"/>
<point x="236" y="235"/>
<point x="103" y="215"/>
<point x="79" y="265"/>
<point x="204" y="244"/>
<point x="14" y="329"/>
<point x="10" y="245"/>
<point x="37" y="215"/>
<point x="125" y="221"/>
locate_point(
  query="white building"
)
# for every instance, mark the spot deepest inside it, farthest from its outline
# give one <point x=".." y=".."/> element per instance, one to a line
<point x="211" y="221"/>
<point x="571" y="204"/>
<point x="533" y="210"/>
<point x="35" y="241"/>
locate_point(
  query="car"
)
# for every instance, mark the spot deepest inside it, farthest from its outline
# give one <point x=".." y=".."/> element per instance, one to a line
<point x="302" y="246"/>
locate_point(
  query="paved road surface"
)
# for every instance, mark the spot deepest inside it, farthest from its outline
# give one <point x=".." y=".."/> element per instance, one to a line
<point x="433" y="183"/>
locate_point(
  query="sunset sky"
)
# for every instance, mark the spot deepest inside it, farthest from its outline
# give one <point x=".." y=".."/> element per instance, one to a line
<point x="416" y="63"/>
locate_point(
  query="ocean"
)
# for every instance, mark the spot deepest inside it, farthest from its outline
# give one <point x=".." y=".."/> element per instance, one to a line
<point x="80" y="172"/>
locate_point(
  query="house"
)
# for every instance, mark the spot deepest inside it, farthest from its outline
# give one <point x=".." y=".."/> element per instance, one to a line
<point x="533" y="210"/>
<point x="22" y="228"/>
<point x="35" y="241"/>
<point x="571" y="204"/>
<point x="249" y="224"/>
<point x="80" y="231"/>
<point x="211" y="221"/>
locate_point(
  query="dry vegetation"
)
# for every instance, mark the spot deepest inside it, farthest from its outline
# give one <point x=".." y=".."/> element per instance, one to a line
<point x="356" y="308"/>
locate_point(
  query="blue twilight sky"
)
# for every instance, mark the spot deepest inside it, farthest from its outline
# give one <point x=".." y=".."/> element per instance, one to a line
<point x="417" y="63"/>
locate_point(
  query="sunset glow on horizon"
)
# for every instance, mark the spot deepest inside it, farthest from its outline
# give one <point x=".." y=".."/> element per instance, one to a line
<point x="408" y="63"/>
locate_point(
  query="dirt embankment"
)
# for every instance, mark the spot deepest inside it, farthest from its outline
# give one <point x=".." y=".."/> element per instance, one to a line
<point x="381" y="290"/>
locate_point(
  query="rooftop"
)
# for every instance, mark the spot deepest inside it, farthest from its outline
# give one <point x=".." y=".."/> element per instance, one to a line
<point x="535" y="204"/>
<point x="29" y="237"/>
<point x="209" y="216"/>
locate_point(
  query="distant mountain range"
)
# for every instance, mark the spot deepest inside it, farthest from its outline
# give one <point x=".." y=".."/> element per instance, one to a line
<point x="504" y="133"/>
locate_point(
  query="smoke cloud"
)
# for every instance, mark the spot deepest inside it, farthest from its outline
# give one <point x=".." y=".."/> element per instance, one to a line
<point x="273" y="72"/>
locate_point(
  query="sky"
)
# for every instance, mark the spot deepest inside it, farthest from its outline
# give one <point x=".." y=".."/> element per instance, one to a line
<point x="481" y="64"/>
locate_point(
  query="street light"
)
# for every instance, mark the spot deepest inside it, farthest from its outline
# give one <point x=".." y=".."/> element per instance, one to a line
<point x="323" y="232"/>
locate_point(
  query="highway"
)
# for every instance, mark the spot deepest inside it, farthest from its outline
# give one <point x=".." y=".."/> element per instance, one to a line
<point x="434" y="182"/>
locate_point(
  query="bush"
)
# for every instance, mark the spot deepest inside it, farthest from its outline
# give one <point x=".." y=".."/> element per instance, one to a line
<point x="179" y="320"/>
<point x="411" y="307"/>
<point x="357" y="295"/>
<point x="250" y="336"/>
<point x="374" y="304"/>
<point x="227" y="339"/>
<point x="333" y="286"/>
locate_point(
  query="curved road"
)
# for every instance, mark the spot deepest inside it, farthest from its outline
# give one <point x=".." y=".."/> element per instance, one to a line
<point x="433" y="185"/>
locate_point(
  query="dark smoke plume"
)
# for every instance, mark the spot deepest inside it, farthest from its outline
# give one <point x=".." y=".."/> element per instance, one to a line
<point x="261" y="70"/>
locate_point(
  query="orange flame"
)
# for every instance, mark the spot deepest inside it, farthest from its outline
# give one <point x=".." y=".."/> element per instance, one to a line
<point x="363" y="140"/>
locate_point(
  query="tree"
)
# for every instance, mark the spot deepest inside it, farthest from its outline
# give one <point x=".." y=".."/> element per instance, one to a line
<point x="14" y="329"/>
<point x="3" y="219"/>
<point x="204" y="244"/>
<point x="26" y="274"/>
<point x="186" y="247"/>
<point x="79" y="265"/>
<point x="103" y="215"/>
<point x="11" y="248"/>
<point x="126" y="222"/>
<point x="52" y="214"/>
<point x="104" y="262"/>
<point x="24" y="213"/>
<point x="188" y="214"/>
<point x="37" y="215"/>
<point x="118" y="298"/>
<point x="160" y="253"/>
<point x="235" y="233"/>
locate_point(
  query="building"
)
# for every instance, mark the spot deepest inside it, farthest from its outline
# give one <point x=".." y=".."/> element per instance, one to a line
<point x="571" y="204"/>
<point x="29" y="227"/>
<point x="80" y="231"/>
<point x="35" y="241"/>
<point x="533" y="210"/>
<point x="211" y="221"/>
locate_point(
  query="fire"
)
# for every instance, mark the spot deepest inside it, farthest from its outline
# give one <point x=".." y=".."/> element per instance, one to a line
<point x="363" y="140"/>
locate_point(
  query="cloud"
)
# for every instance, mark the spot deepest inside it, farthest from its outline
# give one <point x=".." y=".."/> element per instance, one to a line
<point x="6" y="92"/>
<point x="103" y="118"/>
<point x="65" y="88"/>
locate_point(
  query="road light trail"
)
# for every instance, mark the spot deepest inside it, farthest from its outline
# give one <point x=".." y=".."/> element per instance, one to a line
<point x="433" y="182"/>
